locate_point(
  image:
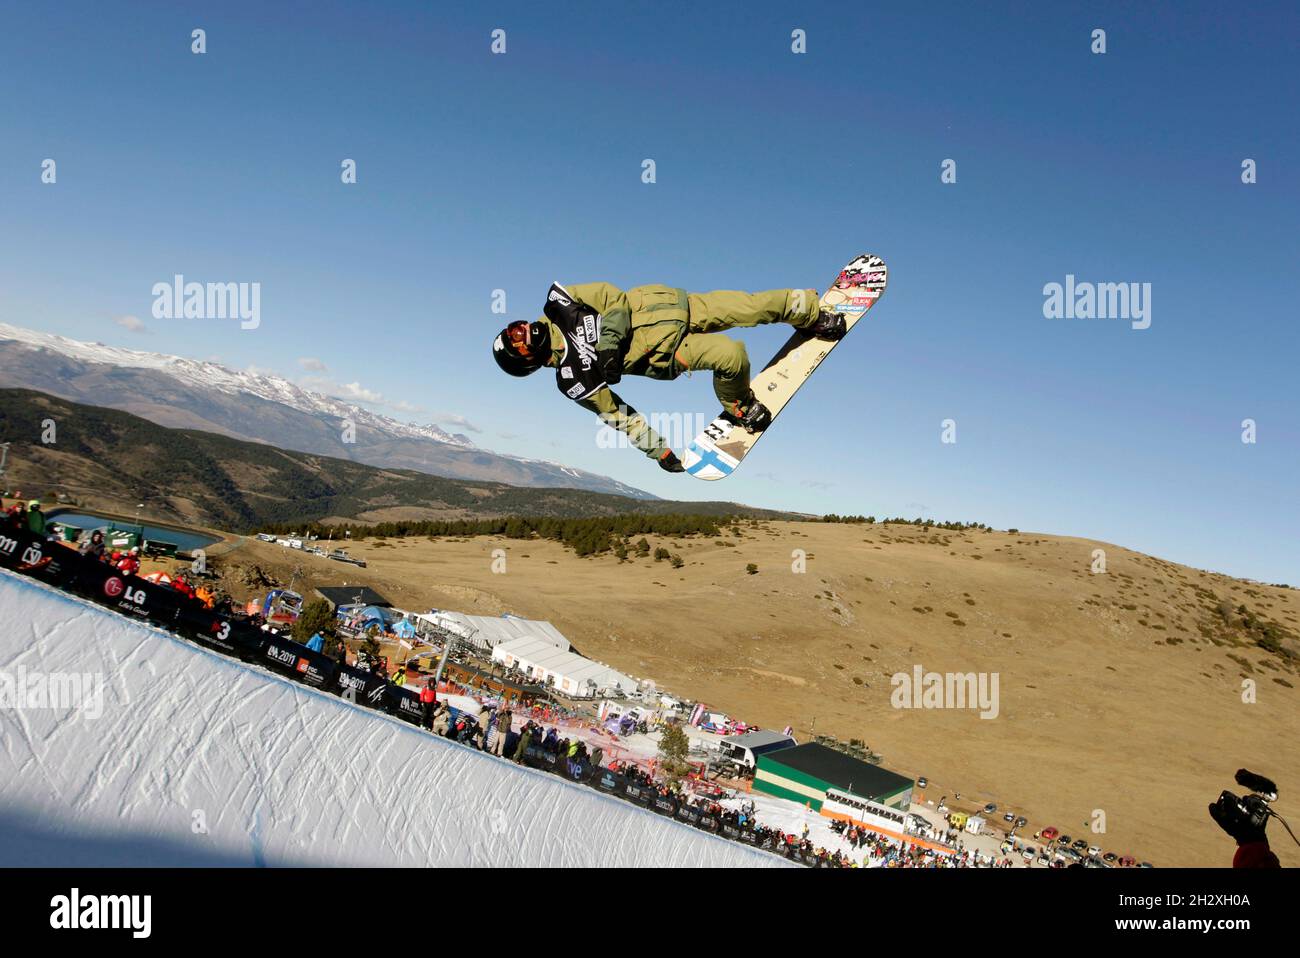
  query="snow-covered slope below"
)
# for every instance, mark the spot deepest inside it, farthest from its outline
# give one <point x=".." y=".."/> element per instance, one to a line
<point x="189" y="758"/>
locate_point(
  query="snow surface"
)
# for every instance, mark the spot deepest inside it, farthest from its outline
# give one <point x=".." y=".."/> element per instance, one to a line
<point x="199" y="760"/>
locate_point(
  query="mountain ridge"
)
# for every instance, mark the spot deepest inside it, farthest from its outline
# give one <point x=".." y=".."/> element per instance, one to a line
<point x="182" y="393"/>
<point x="111" y="459"/>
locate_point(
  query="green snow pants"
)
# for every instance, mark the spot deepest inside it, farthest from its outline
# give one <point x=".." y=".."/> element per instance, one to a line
<point x="704" y="347"/>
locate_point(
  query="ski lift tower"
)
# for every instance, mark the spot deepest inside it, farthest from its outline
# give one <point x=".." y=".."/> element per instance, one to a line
<point x="4" y="457"/>
<point x="449" y="639"/>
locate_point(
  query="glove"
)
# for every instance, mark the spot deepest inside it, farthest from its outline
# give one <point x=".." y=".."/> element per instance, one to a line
<point x="670" y="463"/>
<point x="1229" y="817"/>
<point x="610" y="365"/>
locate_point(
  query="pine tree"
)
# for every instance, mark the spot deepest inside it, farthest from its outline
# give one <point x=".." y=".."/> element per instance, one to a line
<point x="316" y="616"/>
<point x="673" y="749"/>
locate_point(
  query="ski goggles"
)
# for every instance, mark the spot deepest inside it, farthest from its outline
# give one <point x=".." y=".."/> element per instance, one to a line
<point x="517" y="337"/>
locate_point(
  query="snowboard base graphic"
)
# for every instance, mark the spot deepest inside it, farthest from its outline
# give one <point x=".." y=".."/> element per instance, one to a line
<point x="719" y="449"/>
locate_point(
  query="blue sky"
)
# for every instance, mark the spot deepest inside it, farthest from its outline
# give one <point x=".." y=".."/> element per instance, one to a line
<point x="478" y="172"/>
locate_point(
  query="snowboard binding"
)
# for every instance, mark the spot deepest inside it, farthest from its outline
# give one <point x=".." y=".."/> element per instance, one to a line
<point x="749" y="414"/>
<point x="829" y="325"/>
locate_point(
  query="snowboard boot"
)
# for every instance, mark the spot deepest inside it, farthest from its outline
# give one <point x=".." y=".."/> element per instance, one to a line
<point x="749" y="414"/>
<point x="829" y="325"/>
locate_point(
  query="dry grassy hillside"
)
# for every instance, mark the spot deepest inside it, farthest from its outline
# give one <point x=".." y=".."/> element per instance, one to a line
<point x="1119" y="691"/>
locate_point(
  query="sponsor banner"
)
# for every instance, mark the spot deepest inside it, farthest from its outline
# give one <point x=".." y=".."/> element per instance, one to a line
<point x="540" y="758"/>
<point x="664" y="805"/>
<point x="311" y="668"/>
<point x="405" y="704"/>
<point x="31" y="554"/>
<point x="362" y="687"/>
<point x="609" y="782"/>
<point x="129" y="594"/>
<point x="229" y="635"/>
<point x="643" y="795"/>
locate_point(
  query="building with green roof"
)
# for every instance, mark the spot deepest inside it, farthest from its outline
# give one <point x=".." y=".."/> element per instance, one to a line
<point x="804" y="773"/>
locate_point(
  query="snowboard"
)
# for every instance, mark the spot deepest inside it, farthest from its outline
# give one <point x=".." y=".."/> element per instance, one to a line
<point x="719" y="449"/>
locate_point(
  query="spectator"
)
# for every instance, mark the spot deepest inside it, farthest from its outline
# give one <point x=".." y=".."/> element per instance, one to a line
<point x="441" y="719"/>
<point x="525" y="740"/>
<point x="35" y="518"/>
<point x="504" y="720"/>
<point x="129" y="564"/>
<point x="93" y="546"/>
<point x="429" y="699"/>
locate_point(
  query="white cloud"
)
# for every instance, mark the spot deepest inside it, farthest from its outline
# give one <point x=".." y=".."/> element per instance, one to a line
<point x="359" y="393"/>
<point x="131" y="323"/>
<point x="454" y="420"/>
<point x="312" y="365"/>
<point x="355" y="392"/>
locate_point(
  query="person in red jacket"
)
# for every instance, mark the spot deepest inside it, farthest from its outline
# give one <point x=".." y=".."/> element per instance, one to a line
<point x="130" y="563"/>
<point x="428" y="698"/>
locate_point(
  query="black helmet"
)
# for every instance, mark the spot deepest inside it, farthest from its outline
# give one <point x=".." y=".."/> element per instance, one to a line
<point x="535" y="341"/>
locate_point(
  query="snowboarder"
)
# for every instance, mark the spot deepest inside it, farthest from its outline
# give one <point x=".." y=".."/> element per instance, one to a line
<point x="595" y="333"/>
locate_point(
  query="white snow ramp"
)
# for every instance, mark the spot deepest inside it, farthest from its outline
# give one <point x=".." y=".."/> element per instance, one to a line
<point x="157" y="752"/>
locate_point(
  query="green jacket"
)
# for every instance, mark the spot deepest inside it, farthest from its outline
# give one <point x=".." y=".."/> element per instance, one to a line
<point x="645" y="325"/>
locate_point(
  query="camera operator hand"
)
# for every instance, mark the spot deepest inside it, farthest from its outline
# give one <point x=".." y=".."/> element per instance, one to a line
<point x="1227" y="815"/>
<point x="1247" y="830"/>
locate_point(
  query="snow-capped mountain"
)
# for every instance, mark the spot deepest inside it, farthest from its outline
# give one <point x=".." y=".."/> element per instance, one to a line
<point x="215" y="376"/>
<point x="190" y="394"/>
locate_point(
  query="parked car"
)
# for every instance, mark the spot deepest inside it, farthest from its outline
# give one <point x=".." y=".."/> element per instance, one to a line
<point x="1009" y="817"/>
<point x="1044" y="860"/>
<point x="1094" y="851"/>
<point x="921" y="782"/>
<point x="1110" y="858"/>
<point x="990" y="808"/>
<point x="1021" y="822"/>
<point x="1064" y="840"/>
<point x="1030" y="853"/>
<point x="1079" y="845"/>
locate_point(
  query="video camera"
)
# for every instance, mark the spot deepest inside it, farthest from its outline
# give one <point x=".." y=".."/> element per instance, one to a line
<point x="1245" y="817"/>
